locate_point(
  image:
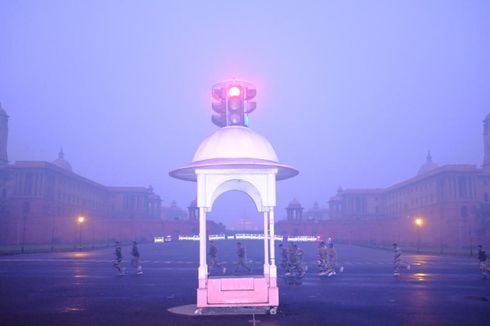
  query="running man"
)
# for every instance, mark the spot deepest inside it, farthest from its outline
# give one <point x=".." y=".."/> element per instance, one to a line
<point x="118" y="262"/>
<point x="332" y="260"/>
<point x="482" y="257"/>
<point x="284" y="256"/>
<point x="135" y="260"/>
<point x="240" y="251"/>
<point x="322" y="258"/>
<point x="213" y="257"/>
<point x="299" y="260"/>
<point x="397" y="260"/>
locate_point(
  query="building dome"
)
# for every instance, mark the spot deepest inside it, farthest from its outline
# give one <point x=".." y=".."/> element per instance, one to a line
<point x="428" y="165"/>
<point x="294" y="204"/>
<point x="61" y="162"/>
<point x="235" y="142"/>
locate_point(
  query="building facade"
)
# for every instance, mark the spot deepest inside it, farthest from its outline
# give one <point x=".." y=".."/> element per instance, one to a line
<point x="301" y="222"/>
<point x="451" y="200"/>
<point x="43" y="200"/>
<point x="40" y="202"/>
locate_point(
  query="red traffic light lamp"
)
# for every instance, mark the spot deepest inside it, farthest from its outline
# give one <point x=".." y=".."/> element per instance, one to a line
<point x="234" y="91"/>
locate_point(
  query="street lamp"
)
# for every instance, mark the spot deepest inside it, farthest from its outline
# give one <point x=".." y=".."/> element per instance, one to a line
<point x="418" y="222"/>
<point x="80" y="221"/>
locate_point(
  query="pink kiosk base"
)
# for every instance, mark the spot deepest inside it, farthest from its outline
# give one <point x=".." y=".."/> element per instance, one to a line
<point x="255" y="291"/>
<point x="237" y="158"/>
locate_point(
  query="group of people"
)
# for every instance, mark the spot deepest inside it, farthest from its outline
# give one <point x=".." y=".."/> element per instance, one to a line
<point x="292" y="260"/>
<point x="398" y="265"/>
<point x="327" y="261"/>
<point x="135" y="259"/>
<point x="214" y="262"/>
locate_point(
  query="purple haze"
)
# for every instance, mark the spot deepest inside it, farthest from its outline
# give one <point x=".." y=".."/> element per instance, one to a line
<point x="351" y="93"/>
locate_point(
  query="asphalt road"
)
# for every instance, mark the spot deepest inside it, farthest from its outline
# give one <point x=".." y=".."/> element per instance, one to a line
<point x="84" y="289"/>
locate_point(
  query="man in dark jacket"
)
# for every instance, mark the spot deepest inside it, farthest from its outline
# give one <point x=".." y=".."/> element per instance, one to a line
<point x="482" y="257"/>
<point x="397" y="260"/>
<point x="240" y="251"/>
<point x="213" y="257"/>
<point x="118" y="261"/>
<point x="135" y="260"/>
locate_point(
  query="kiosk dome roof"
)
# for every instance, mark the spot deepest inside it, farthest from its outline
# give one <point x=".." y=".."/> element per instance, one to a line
<point x="235" y="142"/>
<point x="234" y="147"/>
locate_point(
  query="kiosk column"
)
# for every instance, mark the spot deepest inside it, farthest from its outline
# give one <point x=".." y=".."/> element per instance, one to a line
<point x="203" y="268"/>
<point x="266" y="244"/>
<point x="272" y="269"/>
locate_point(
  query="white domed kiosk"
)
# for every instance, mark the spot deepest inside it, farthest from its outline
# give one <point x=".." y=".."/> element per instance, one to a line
<point x="237" y="158"/>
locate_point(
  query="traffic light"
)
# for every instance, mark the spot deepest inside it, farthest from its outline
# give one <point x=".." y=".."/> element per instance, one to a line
<point x="219" y="106"/>
<point x="236" y="113"/>
<point x="232" y="103"/>
<point x="250" y="94"/>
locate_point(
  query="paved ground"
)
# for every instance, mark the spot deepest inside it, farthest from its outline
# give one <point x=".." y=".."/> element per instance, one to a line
<point x="83" y="288"/>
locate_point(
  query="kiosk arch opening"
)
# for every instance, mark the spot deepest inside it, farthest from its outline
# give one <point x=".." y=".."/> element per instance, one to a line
<point x="240" y="185"/>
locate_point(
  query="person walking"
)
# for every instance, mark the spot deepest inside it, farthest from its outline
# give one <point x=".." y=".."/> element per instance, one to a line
<point x="213" y="257"/>
<point x="332" y="260"/>
<point x="118" y="261"/>
<point x="295" y="257"/>
<point x="284" y="256"/>
<point x="301" y="267"/>
<point x="322" y="258"/>
<point x="135" y="260"/>
<point x="397" y="260"/>
<point x="292" y="260"/>
<point x="241" y="258"/>
<point x="482" y="257"/>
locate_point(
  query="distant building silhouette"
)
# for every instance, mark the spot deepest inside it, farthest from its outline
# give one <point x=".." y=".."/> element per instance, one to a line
<point x="300" y="222"/>
<point x="453" y="200"/>
<point x="317" y="213"/>
<point x="173" y="212"/>
<point x="40" y="201"/>
<point x="294" y="211"/>
<point x="3" y="136"/>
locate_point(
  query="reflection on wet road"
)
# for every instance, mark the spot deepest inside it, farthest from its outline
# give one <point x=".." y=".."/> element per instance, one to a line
<point x="83" y="288"/>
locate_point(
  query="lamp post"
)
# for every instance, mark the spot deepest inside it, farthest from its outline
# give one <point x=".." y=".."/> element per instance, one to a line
<point x="80" y="221"/>
<point x="418" y="222"/>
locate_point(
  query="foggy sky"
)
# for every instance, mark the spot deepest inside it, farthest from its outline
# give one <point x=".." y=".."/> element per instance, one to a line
<point x="351" y="93"/>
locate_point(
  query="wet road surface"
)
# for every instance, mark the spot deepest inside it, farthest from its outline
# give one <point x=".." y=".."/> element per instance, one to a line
<point x="83" y="288"/>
